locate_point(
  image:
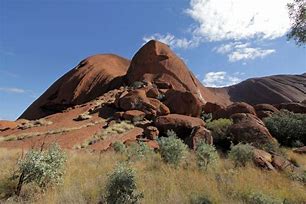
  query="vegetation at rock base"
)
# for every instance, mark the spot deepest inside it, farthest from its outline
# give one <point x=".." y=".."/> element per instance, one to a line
<point x="288" y="128"/>
<point x="219" y="131"/>
<point x="241" y="154"/>
<point x="207" y="156"/>
<point x="87" y="176"/>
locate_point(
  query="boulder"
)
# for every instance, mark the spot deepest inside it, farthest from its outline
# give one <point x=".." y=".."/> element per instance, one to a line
<point x="89" y="79"/>
<point x="247" y="128"/>
<point x="281" y="163"/>
<point x="199" y="134"/>
<point x="210" y="107"/>
<point x="133" y="115"/>
<point x="137" y="100"/>
<point x="151" y="132"/>
<point x="184" y="103"/>
<point x="263" y="159"/>
<point x="300" y="150"/>
<point x="153" y="93"/>
<point x="265" y="110"/>
<point x="181" y="124"/>
<point x="293" y="107"/>
<point x="238" y="107"/>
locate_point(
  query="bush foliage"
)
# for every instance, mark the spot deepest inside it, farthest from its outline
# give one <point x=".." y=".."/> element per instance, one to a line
<point x="219" y="129"/>
<point x="207" y="156"/>
<point x="172" y="149"/>
<point x="287" y="127"/>
<point x="241" y="154"/>
<point x="119" y="147"/>
<point x="121" y="187"/>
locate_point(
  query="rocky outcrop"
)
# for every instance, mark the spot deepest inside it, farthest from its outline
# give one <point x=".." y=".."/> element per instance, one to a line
<point x="238" y="107"/>
<point x="293" y="107"/>
<point x="247" y="128"/>
<point x="199" y="134"/>
<point x="7" y="125"/>
<point x="184" y="103"/>
<point x="151" y="132"/>
<point x="265" y="110"/>
<point x="90" y="79"/>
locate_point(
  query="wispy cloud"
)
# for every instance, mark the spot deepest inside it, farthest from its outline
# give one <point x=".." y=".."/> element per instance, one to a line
<point x="221" y="79"/>
<point x="242" y="51"/>
<point x="173" y="41"/>
<point x="12" y="90"/>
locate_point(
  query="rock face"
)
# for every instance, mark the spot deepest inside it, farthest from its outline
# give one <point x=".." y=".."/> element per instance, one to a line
<point x="199" y="134"/>
<point x="156" y="63"/>
<point x="6" y="125"/>
<point x="184" y="103"/>
<point x="293" y="107"/>
<point x="238" y="107"/>
<point x="91" y="78"/>
<point x="181" y="124"/>
<point x="265" y="110"/>
<point x="247" y="128"/>
<point x="272" y="89"/>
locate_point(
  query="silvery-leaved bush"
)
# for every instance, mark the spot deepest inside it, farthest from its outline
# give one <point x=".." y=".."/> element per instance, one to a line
<point x="42" y="167"/>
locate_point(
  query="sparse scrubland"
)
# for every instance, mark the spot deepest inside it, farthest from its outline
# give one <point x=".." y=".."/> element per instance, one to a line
<point x="87" y="176"/>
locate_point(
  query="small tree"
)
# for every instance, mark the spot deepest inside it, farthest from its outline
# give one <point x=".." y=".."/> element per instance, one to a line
<point x="297" y="14"/>
<point x="172" y="150"/>
<point x="119" y="147"/>
<point x="241" y="154"/>
<point x="41" y="167"/>
<point x="206" y="155"/>
<point x="139" y="151"/>
<point x="121" y="187"/>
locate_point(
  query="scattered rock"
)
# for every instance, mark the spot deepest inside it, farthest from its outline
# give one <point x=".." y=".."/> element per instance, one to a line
<point x="300" y="150"/>
<point x="134" y="115"/>
<point x="238" y="107"/>
<point x="83" y="116"/>
<point x="151" y="132"/>
<point x="265" y="110"/>
<point x="263" y="159"/>
<point x="247" y="128"/>
<point x="293" y="107"/>
<point x="181" y="124"/>
<point x="199" y="134"/>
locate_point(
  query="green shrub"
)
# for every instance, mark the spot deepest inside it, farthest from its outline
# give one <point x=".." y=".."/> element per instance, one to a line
<point x="206" y="117"/>
<point x="206" y="155"/>
<point x="259" y="198"/>
<point x="219" y="131"/>
<point x="171" y="133"/>
<point x="241" y="154"/>
<point x="41" y="167"/>
<point x="287" y="127"/>
<point x="139" y="151"/>
<point x="121" y="187"/>
<point x="172" y="150"/>
<point x="119" y="147"/>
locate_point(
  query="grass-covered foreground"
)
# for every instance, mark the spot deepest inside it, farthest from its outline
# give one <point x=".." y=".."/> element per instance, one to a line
<point x="87" y="175"/>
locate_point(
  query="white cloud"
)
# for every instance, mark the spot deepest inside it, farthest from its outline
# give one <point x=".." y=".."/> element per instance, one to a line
<point x="237" y="51"/>
<point x="221" y="79"/>
<point x="173" y="41"/>
<point x="239" y="19"/>
<point x="12" y="90"/>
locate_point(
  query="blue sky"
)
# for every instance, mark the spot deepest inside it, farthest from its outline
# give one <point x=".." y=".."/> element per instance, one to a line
<point x="222" y="41"/>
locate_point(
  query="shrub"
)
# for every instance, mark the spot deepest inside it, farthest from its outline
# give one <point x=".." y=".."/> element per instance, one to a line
<point x="121" y="186"/>
<point x="171" y="133"/>
<point x="219" y="131"/>
<point x="172" y="150"/>
<point x="201" y="200"/>
<point x="259" y="198"/>
<point x="137" y="84"/>
<point x="138" y="151"/>
<point x="41" y="167"/>
<point x="241" y="154"/>
<point x="206" y="155"/>
<point x="119" y="147"/>
<point x="287" y="127"/>
<point x="206" y="117"/>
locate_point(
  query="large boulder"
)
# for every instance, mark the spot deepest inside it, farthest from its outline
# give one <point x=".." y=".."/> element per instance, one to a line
<point x="265" y="110"/>
<point x="137" y="100"/>
<point x="293" y="107"/>
<point x="210" y="107"/>
<point x="89" y="79"/>
<point x="184" y="103"/>
<point x="181" y="124"/>
<point x="134" y="115"/>
<point x="199" y="134"/>
<point x="247" y="128"/>
<point x="238" y="107"/>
